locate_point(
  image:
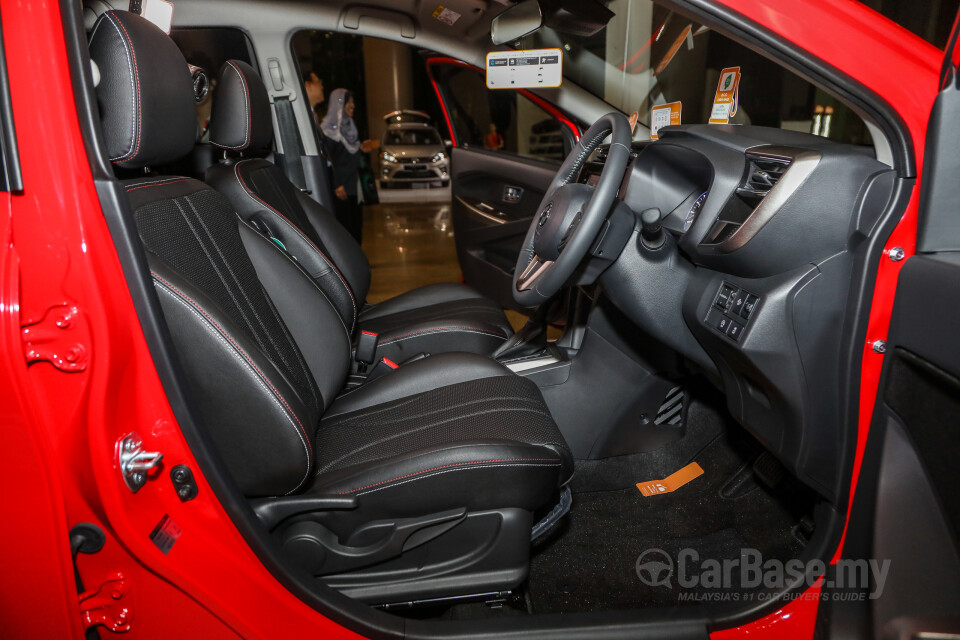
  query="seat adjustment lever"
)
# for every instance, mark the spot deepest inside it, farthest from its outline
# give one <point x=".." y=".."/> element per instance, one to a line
<point x="318" y="549"/>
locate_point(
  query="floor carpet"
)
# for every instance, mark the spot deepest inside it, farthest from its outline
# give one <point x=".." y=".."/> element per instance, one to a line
<point x="589" y="562"/>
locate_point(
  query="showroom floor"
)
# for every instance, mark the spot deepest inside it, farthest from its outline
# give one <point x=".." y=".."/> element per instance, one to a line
<point x="410" y="244"/>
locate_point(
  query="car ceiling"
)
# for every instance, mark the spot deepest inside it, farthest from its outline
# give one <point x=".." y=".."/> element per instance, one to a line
<point x="270" y="24"/>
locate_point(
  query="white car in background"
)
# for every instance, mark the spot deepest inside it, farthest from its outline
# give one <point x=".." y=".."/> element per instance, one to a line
<point x="412" y="154"/>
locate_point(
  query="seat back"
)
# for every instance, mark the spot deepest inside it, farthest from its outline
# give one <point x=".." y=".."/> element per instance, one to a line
<point x="240" y="125"/>
<point x="261" y="378"/>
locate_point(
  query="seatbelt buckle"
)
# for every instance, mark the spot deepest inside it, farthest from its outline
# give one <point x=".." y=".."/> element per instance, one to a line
<point x="382" y="368"/>
<point x="366" y="347"/>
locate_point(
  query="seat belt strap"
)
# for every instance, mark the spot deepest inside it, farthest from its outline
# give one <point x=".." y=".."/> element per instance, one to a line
<point x="290" y="141"/>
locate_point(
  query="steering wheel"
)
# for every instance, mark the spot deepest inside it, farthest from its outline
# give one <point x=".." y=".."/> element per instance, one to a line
<point x="571" y="214"/>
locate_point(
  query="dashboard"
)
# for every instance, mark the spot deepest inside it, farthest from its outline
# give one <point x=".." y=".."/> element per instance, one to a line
<point x="764" y="231"/>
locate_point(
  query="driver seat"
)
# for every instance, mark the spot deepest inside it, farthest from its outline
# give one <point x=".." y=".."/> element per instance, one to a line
<point x="421" y="484"/>
<point x="433" y="319"/>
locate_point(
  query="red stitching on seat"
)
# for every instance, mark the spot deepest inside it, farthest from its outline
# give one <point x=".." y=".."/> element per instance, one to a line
<point x="136" y="73"/>
<point x="446" y="466"/>
<point x="439" y="329"/>
<point x="223" y="332"/>
<point x="353" y="300"/>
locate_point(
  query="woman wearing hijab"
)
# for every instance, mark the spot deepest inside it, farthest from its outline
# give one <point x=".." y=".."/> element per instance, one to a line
<point x="344" y="150"/>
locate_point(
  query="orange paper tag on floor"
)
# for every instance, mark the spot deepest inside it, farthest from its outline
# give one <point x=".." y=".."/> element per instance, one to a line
<point x="672" y="482"/>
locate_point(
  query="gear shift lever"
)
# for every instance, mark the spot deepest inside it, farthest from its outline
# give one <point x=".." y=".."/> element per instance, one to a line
<point x="651" y="233"/>
<point x="529" y="340"/>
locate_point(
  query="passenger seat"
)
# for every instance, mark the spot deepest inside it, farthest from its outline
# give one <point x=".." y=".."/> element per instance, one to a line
<point x="423" y="483"/>
<point x="434" y="319"/>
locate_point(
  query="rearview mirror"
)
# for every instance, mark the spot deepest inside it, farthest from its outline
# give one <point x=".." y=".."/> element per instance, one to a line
<point x="576" y="17"/>
<point x="519" y="20"/>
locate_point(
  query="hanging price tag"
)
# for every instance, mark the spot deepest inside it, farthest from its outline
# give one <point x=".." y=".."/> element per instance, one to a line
<point x="725" y="101"/>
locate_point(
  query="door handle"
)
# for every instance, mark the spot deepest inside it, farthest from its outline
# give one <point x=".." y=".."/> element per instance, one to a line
<point x="512" y="194"/>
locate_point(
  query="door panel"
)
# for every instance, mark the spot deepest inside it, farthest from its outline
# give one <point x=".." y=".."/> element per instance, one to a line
<point x="907" y="507"/>
<point x="495" y="197"/>
<point x="906" y="510"/>
<point x="507" y="146"/>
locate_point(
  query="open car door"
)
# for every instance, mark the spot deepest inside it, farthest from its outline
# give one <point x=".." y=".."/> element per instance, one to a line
<point x="506" y="148"/>
<point x="906" y="511"/>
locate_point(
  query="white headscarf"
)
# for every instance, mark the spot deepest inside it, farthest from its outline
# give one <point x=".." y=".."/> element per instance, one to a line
<point x="337" y="125"/>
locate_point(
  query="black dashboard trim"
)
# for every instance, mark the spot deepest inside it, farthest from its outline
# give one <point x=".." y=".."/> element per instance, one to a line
<point x="802" y="164"/>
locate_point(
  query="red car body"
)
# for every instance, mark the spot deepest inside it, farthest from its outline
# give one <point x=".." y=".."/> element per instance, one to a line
<point x="76" y="374"/>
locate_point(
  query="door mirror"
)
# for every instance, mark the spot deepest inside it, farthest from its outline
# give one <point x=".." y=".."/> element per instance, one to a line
<point x="517" y="21"/>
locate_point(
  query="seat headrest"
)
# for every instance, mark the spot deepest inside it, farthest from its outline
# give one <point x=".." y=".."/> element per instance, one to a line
<point x="240" y="120"/>
<point x="145" y="93"/>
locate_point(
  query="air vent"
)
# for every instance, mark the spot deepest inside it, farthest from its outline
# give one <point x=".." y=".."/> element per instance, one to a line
<point x="771" y="176"/>
<point x="763" y="173"/>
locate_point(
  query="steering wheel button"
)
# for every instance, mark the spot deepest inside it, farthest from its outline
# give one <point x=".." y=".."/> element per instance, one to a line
<point x="734" y="330"/>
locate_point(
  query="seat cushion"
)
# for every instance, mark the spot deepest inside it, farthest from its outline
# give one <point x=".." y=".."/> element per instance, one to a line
<point x="416" y="377"/>
<point x="435" y="319"/>
<point x="480" y="444"/>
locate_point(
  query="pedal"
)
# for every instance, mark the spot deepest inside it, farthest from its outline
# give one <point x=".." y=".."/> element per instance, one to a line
<point x="804" y="529"/>
<point x="671" y="409"/>
<point x="769" y="470"/>
<point x="744" y="481"/>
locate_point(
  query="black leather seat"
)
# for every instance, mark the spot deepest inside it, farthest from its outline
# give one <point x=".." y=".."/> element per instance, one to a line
<point x="421" y="483"/>
<point x="434" y="319"/>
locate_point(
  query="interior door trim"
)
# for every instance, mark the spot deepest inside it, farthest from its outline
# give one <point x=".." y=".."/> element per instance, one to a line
<point x="483" y="214"/>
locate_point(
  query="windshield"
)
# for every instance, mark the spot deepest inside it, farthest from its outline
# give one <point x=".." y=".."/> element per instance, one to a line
<point x="648" y="55"/>
<point x="411" y="137"/>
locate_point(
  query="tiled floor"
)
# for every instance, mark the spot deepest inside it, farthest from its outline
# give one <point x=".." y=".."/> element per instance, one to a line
<point x="409" y="245"/>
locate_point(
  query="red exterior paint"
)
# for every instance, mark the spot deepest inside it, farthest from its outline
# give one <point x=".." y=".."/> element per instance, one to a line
<point x="443" y="106"/>
<point x="794" y="620"/>
<point x="61" y="428"/>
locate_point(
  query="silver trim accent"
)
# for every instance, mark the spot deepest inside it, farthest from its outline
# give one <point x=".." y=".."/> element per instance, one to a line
<point x="534" y="270"/>
<point x="802" y="164"/>
<point x="134" y="462"/>
<point x="472" y="209"/>
<point x="526" y="365"/>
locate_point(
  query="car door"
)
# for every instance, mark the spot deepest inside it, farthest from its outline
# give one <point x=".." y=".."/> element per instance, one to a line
<point x="906" y="511"/>
<point x="506" y="148"/>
